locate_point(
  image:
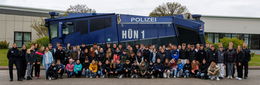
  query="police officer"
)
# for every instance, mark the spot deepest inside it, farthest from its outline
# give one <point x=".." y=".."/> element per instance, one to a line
<point x="13" y="58"/>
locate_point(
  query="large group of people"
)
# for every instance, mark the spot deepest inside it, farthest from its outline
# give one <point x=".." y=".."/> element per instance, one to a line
<point x="138" y="61"/>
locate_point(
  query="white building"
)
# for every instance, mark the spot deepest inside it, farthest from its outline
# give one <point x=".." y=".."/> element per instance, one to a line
<point x="15" y="23"/>
<point x="245" y="28"/>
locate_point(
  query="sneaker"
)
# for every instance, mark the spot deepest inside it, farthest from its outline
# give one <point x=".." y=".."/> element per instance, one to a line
<point x="121" y="76"/>
<point x="217" y="79"/>
<point x="211" y="78"/>
<point x="239" y="78"/>
<point x="49" y="78"/>
<point x="90" y="77"/>
<point x="132" y="76"/>
<point x="174" y="77"/>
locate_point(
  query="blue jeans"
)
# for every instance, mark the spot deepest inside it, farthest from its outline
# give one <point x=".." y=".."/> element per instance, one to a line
<point x="100" y="73"/>
<point x="70" y="73"/>
<point x="186" y="73"/>
<point x="87" y="73"/>
<point x="46" y="69"/>
<point x="93" y="74"/>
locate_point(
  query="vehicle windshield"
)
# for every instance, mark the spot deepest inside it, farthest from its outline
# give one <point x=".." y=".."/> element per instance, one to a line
<point x="54" y="30"/>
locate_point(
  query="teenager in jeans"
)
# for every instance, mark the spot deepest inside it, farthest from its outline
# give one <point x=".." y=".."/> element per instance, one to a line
<point x="230" y="60"/>
<point x="30" y="59"/>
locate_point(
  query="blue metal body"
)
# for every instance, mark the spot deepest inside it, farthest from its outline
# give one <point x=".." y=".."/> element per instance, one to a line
<point x="120" y="28"/>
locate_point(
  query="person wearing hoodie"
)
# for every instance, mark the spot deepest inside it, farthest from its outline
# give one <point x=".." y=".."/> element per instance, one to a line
<point x="93" y="68"/>
<point x="239" y="60"/>
<point x="192" y="54"/>
<point x="78" y="69"/>
<point x="179" y="71"/>
<point x="175" y="53"/>
<point x="213" y="71"/>
<point x="220" y="61"/>
<point x="70" y="68"/>
<point x="47" y="60"/>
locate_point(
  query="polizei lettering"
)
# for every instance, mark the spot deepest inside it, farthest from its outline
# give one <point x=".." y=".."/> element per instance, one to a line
<point x="141" y="19"/>
<point x="132" y="34"/>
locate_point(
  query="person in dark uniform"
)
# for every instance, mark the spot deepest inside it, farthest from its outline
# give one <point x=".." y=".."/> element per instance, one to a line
<point x="13" y="58"/>
<point x="23" y="61"/>
<point x="246" y="59"/>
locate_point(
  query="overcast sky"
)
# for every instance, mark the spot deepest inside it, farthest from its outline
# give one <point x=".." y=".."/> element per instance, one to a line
<point x="246" y="8"/>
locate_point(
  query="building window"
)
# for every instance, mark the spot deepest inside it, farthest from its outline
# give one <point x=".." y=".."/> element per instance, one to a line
<point x="21" y="38"/>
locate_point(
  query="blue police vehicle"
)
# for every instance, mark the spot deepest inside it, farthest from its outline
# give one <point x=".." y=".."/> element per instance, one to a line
<point x="101" y="28"/>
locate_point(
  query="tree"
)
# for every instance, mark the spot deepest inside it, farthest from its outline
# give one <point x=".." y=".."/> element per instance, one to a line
<point x="39" y="27"/>
<point x="169" y="9"/>
<point x="80" y="8"/>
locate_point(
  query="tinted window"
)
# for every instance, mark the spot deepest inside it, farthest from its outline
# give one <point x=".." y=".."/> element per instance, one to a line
<point x="82" y="27"/>
<point x="54" y="30"/>
<point x="99" y="23"/>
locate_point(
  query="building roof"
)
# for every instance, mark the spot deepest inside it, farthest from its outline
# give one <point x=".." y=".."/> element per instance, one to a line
<point x="234" y="17"/>
<point x="26" y="11"/>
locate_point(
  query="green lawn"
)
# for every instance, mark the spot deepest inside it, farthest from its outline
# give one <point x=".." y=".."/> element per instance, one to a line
<point x="3" y="58"/>
<point x="255" y="61"/>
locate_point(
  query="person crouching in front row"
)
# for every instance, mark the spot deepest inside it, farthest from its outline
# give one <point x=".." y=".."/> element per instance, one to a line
<point x="70" y="68"/>
<point x="78" y="69"/>
<point x="52" y="72"/>
<point x="213" y="71"/>
<point x="93" y="68"/>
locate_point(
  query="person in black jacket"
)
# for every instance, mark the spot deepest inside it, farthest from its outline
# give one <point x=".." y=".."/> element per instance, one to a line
<point x="127" y="69"/>
<point x="204" y="69"/>
<point x="187" y="69"/>
<point x="23" y="61"/>
<point x="158" y="69"/>
<point x="239" y="60"/>
<point x="220" y="61"/>
<point x="212" y="54"/>
<point x="201" y="55"/>
<point x="246" y="59"/>
<point x="230" y="60"/>
<point x="192" y="53"/>
<point x="13" y="58"/>
<point x="30" y="59"/>
<point x="183" y="55"/>
<point x="60" y="54"/>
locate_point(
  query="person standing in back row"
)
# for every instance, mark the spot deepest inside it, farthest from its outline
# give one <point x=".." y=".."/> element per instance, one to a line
<point x="246" y="59"/>
<point x="13" y="58"/>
